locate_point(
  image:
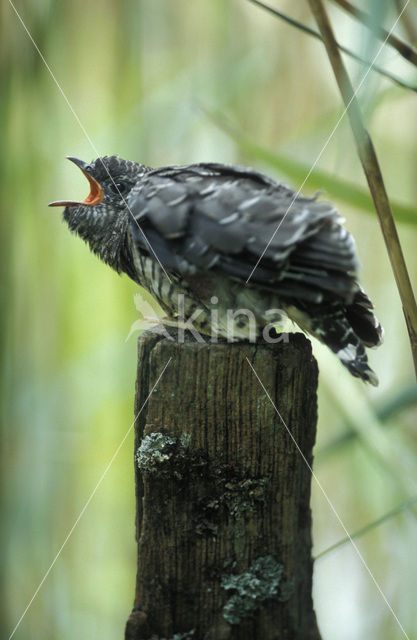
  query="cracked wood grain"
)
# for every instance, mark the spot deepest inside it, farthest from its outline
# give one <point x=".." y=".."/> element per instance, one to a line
<point x="222" y="491"/>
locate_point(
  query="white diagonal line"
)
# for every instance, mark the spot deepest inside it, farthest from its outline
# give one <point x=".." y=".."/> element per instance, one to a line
<point x="103" y="475"/>
<point x="361" y="558"/>
<point x="328" y="140"/>
<point x="74" y="113"/>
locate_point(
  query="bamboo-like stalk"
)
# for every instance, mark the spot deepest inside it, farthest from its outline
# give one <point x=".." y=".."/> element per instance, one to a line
<point x="403" y="48"/>
<point x="370" y="164"/>
<point x="315" y="34"/>
<point x="407" y="21"/>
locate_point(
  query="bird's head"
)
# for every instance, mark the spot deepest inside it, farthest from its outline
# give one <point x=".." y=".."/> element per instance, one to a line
<point x="101" y="219"/>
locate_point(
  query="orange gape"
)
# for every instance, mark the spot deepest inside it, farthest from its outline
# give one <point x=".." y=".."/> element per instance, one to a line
<point x="94" y="197"/>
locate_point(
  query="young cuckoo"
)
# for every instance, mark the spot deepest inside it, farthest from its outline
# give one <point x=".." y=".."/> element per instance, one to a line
<point x="234" y="238"/>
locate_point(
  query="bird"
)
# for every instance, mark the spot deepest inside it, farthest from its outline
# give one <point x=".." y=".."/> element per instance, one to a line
<point x="235" y="245"/>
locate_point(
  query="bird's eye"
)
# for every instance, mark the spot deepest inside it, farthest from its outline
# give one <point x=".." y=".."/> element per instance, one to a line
<point x="119" y="187"/>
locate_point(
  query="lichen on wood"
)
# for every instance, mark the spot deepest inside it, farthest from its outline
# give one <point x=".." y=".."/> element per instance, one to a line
<point x="223" y="519"/>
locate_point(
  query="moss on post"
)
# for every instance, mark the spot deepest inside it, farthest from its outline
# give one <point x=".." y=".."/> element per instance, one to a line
<point x="223" y="519"/>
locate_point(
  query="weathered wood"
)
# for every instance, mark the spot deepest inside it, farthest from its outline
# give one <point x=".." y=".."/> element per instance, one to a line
<point x="223" y="519"/>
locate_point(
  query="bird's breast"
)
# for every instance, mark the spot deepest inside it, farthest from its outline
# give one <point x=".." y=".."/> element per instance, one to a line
<point x="215" y="305"/>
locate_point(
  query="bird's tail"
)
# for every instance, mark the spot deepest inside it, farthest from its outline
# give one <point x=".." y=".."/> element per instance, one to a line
<point x="347" y="330"/>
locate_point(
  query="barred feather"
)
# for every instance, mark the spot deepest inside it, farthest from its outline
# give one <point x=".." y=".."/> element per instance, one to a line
<point x="208" y="224"/>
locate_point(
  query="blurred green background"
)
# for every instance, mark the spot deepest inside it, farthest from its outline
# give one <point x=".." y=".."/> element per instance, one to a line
<point x="171" y="82"/>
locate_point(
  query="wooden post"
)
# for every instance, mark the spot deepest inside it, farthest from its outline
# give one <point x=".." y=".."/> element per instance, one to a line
<point x="223" y="519"/>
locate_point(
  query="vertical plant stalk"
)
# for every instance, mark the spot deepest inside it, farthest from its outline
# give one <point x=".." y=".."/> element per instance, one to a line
<point x="311" y="32"/>
<point x="405" y="50"/>
<point x="370" y="164"/>
<point x="407" y="20"/>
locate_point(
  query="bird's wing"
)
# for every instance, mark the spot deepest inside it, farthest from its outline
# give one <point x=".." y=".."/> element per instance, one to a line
<point x="213" y="216"/>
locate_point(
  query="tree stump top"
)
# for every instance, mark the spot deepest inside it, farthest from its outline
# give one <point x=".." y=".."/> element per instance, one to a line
<point x="222" y="490"/>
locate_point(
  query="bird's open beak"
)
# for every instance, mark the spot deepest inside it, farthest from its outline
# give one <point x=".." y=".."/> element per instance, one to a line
<point x="96" y="192"/>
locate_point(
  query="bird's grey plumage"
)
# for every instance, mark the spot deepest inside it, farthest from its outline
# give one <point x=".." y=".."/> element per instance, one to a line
<point x="208" y="224"/>
<point x="220" y="217"/>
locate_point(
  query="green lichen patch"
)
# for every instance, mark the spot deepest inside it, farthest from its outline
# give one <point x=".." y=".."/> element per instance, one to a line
<point x="163" y="455"/>
<point x="242" y="496"/>
<point x="223" y="492"/>
<point x="262" y="581"/>
<point x="238" y="496"/>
